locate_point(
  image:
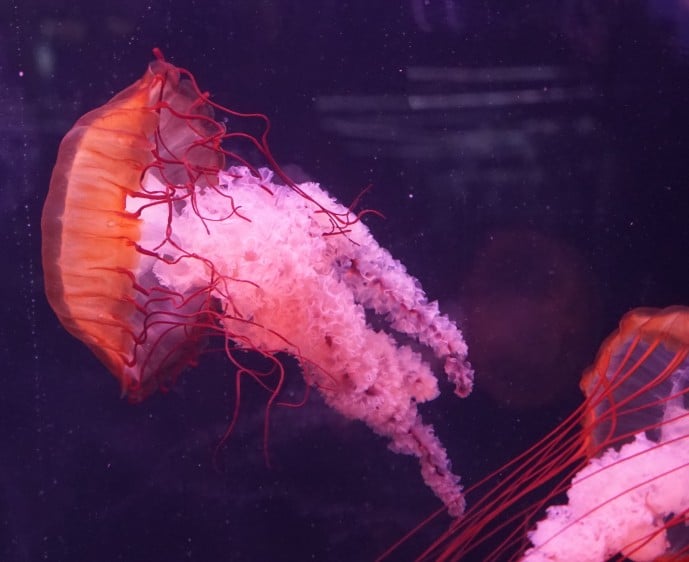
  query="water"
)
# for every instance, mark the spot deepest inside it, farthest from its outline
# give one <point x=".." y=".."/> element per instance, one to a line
<point x="531" y="166"/>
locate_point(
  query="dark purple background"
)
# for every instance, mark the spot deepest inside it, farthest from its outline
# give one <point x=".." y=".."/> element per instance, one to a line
<point x="536" y="212"/>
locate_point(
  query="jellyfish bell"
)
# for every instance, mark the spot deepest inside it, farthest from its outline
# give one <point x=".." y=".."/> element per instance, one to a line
<point x="150" y="247"/>
<point x="91" y="261"/>
<point x="612" y="481"/>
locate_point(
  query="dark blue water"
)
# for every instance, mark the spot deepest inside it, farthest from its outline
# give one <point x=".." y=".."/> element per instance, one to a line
<point x="531" y="164"/>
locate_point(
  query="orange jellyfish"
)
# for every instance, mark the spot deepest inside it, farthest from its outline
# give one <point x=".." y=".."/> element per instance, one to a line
<point x="158" y="235"/>
<point x="616" y="471"/>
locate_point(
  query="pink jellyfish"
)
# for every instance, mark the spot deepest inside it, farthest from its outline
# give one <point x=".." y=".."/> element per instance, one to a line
<point x="151" y="245"/>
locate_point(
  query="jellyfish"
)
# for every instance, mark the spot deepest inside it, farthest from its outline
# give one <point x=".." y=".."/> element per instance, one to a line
<point x="615" y="472"/>
<point x="159" y="233"/>
<point x="632" y="496"/>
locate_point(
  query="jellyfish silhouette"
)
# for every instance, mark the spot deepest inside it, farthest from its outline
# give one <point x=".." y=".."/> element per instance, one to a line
<point x="158" y="234"/>
<point x="621" y="462"/>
